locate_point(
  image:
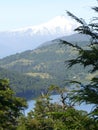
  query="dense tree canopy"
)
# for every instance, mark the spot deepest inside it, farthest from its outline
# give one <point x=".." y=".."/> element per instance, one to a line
<point x="53" y="116"/>
<point x="10" y="106"/>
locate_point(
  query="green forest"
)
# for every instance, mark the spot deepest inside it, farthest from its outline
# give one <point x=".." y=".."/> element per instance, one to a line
<point x="33" y="71"/>
<point x="81" y="68"/>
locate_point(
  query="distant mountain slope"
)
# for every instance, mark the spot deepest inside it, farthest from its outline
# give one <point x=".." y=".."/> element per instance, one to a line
<point x="29" y="38"/>
<point x="41" y="68"/>
<point x="20" y="83"/>
<point x="78" y="38"/>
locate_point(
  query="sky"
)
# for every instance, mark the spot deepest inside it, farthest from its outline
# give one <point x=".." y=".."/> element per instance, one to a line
<point x="16" y="14"/>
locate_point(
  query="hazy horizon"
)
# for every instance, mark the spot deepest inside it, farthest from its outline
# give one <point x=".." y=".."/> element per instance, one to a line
<point x="21" y="13"/>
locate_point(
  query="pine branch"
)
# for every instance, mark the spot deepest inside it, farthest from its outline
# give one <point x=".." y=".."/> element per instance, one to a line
<point x="95" y="9"/>
<point x="76" y="18"/>
<point x="93" y="25"/>
<point x="75" y="82"/>
<point x="70" y="44"/>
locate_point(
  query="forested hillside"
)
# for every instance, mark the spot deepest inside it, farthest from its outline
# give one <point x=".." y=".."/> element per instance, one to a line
<point x="33" y="71"/>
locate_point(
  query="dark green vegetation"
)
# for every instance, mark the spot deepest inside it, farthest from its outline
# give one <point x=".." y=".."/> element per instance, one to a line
<point x="48" y="116"/>
<point x="10" y="107"/>
<point x="87" y="57"/>
<point x="33" y="71"/>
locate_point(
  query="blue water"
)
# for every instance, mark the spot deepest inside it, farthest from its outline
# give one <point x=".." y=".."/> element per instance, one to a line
<point x="57" y="99"/>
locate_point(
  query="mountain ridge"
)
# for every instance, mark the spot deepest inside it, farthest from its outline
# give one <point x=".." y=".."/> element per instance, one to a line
<point x="40" y="68"/>
<point x="15" y="41"/>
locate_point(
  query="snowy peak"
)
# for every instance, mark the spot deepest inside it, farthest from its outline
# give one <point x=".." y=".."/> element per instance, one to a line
<point x="31" y="37"/>
<point x="59" y="26"/>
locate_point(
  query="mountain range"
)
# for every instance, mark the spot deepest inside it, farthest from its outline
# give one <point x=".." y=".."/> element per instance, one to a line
<point x="33" y="71"/>
<point x="29" y="38"/>
<point x="32" y="58"/>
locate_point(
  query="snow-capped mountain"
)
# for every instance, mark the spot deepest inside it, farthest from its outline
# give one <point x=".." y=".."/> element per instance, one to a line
<point x="59" y="26"/>
<point x="22" y="39"/>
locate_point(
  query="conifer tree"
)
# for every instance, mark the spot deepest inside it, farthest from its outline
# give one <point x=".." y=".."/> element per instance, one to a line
<point x="87" y="57"/>
<point x="10" y="107"/>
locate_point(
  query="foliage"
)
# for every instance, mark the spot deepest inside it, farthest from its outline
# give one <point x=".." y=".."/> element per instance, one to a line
<point x="53" y="116"/>
<point x="10" y="106"/>
<point x="38" y="69"/>
<point x="88" y="58"/>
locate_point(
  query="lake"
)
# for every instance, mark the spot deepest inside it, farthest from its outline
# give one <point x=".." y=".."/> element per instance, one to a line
<point x="56" y="99"/>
